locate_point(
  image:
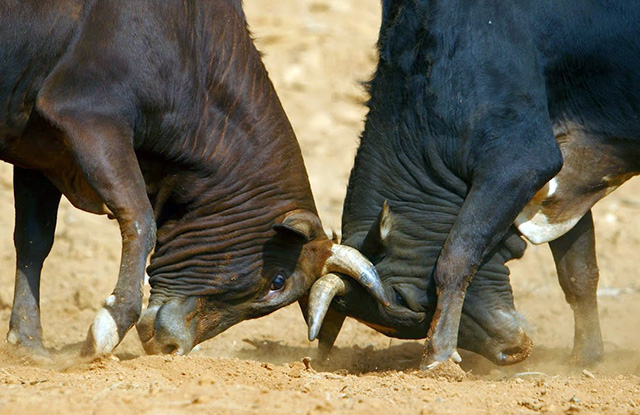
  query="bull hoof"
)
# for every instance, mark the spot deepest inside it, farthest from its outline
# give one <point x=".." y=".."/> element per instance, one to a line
<point x="103" y="335"/>
<point x="432" y="363"/>
<point x="449" y="369"/>
<point x="28" y="346"/>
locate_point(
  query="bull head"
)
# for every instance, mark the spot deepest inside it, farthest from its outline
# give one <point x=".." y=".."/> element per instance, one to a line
<point x="489" y="326"/>
<point x="296" y="252"/>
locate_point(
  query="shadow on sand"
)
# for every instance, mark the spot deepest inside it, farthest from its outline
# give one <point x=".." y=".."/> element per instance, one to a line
<point x="358" y="360"/>
<point x="406" y="357"/>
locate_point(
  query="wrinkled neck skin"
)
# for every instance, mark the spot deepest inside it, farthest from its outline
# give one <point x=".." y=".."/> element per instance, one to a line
<point x="414" y="157"/>
<point x="231" y="169"/>
<point x="424" y="198"/>
<point x="214" y="244"/>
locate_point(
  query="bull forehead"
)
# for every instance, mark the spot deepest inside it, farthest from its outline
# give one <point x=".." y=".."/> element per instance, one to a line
<point x="230" y="279"/>
<point x="224" y="266"/>
<point x="207" y="261"/>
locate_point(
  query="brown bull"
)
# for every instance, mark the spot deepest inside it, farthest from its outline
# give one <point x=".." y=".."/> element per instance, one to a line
<point x="161" y="115"/>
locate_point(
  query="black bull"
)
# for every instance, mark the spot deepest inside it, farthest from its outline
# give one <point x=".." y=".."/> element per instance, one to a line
<point x="161" y="115"/>
<point x="487" y="121"/>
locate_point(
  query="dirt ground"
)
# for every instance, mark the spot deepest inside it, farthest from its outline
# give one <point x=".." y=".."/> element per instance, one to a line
<point x="317" y="52"/>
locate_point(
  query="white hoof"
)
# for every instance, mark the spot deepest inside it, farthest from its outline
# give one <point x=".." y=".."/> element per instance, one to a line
<point x="104" y="331"/>
<point x="455" y="357"/>
<point x="433" y="365"/>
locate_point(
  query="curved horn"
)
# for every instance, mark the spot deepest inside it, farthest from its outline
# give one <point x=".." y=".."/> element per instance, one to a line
<point x="347" y="260"/>
<point x="320" y="297"/>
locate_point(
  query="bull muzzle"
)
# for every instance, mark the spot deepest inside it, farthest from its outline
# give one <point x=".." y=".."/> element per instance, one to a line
<point x="512" y="345"/>
<point x="497" y="334"/>
<point x="516" y="353"/>
<point x="168" y="328"/>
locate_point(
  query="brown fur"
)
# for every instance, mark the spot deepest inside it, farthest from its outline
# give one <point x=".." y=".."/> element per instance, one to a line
<point x="163" y="116"/>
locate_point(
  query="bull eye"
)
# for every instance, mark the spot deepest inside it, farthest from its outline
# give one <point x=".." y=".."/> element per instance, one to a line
<point x="400" y="300"/>
<point x="277" y="283"/>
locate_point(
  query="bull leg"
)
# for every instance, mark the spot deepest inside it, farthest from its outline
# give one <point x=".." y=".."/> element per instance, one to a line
<point x="103" y="149"/>
<point x="575" y="256"/>
<point x="507" y="175"/>
<point x="109" y="163"/>
<point x="36" y="203"/>
<point x="479" y="227"/>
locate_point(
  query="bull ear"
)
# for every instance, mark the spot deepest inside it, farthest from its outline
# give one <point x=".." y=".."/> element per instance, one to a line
<point x="374" y="243"/>
<point x="300" y="222"/>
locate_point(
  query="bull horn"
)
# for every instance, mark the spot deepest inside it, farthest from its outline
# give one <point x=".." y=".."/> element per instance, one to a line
<point x="320" y="297"/>
<point x="349" y="261"/>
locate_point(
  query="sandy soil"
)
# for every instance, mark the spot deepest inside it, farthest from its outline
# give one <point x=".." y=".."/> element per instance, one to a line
<point x="317" y="52"/>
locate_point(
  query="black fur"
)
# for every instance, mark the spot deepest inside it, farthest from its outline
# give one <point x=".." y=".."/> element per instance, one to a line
<point x="460" y="136"/>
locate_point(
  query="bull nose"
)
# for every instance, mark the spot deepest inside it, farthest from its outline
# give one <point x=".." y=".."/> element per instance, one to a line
<point x="515" y="352"/>
<point x="166" y="329"/>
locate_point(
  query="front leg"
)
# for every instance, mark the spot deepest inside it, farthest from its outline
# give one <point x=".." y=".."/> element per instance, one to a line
<point x="109" y="163"/>
<point x="506" y="175"/>
<point x="102" y="147"/>
<point x="575" y="256"/>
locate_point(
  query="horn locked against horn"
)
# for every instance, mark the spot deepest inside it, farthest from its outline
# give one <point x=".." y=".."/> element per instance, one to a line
<point x="349" y="261"/>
